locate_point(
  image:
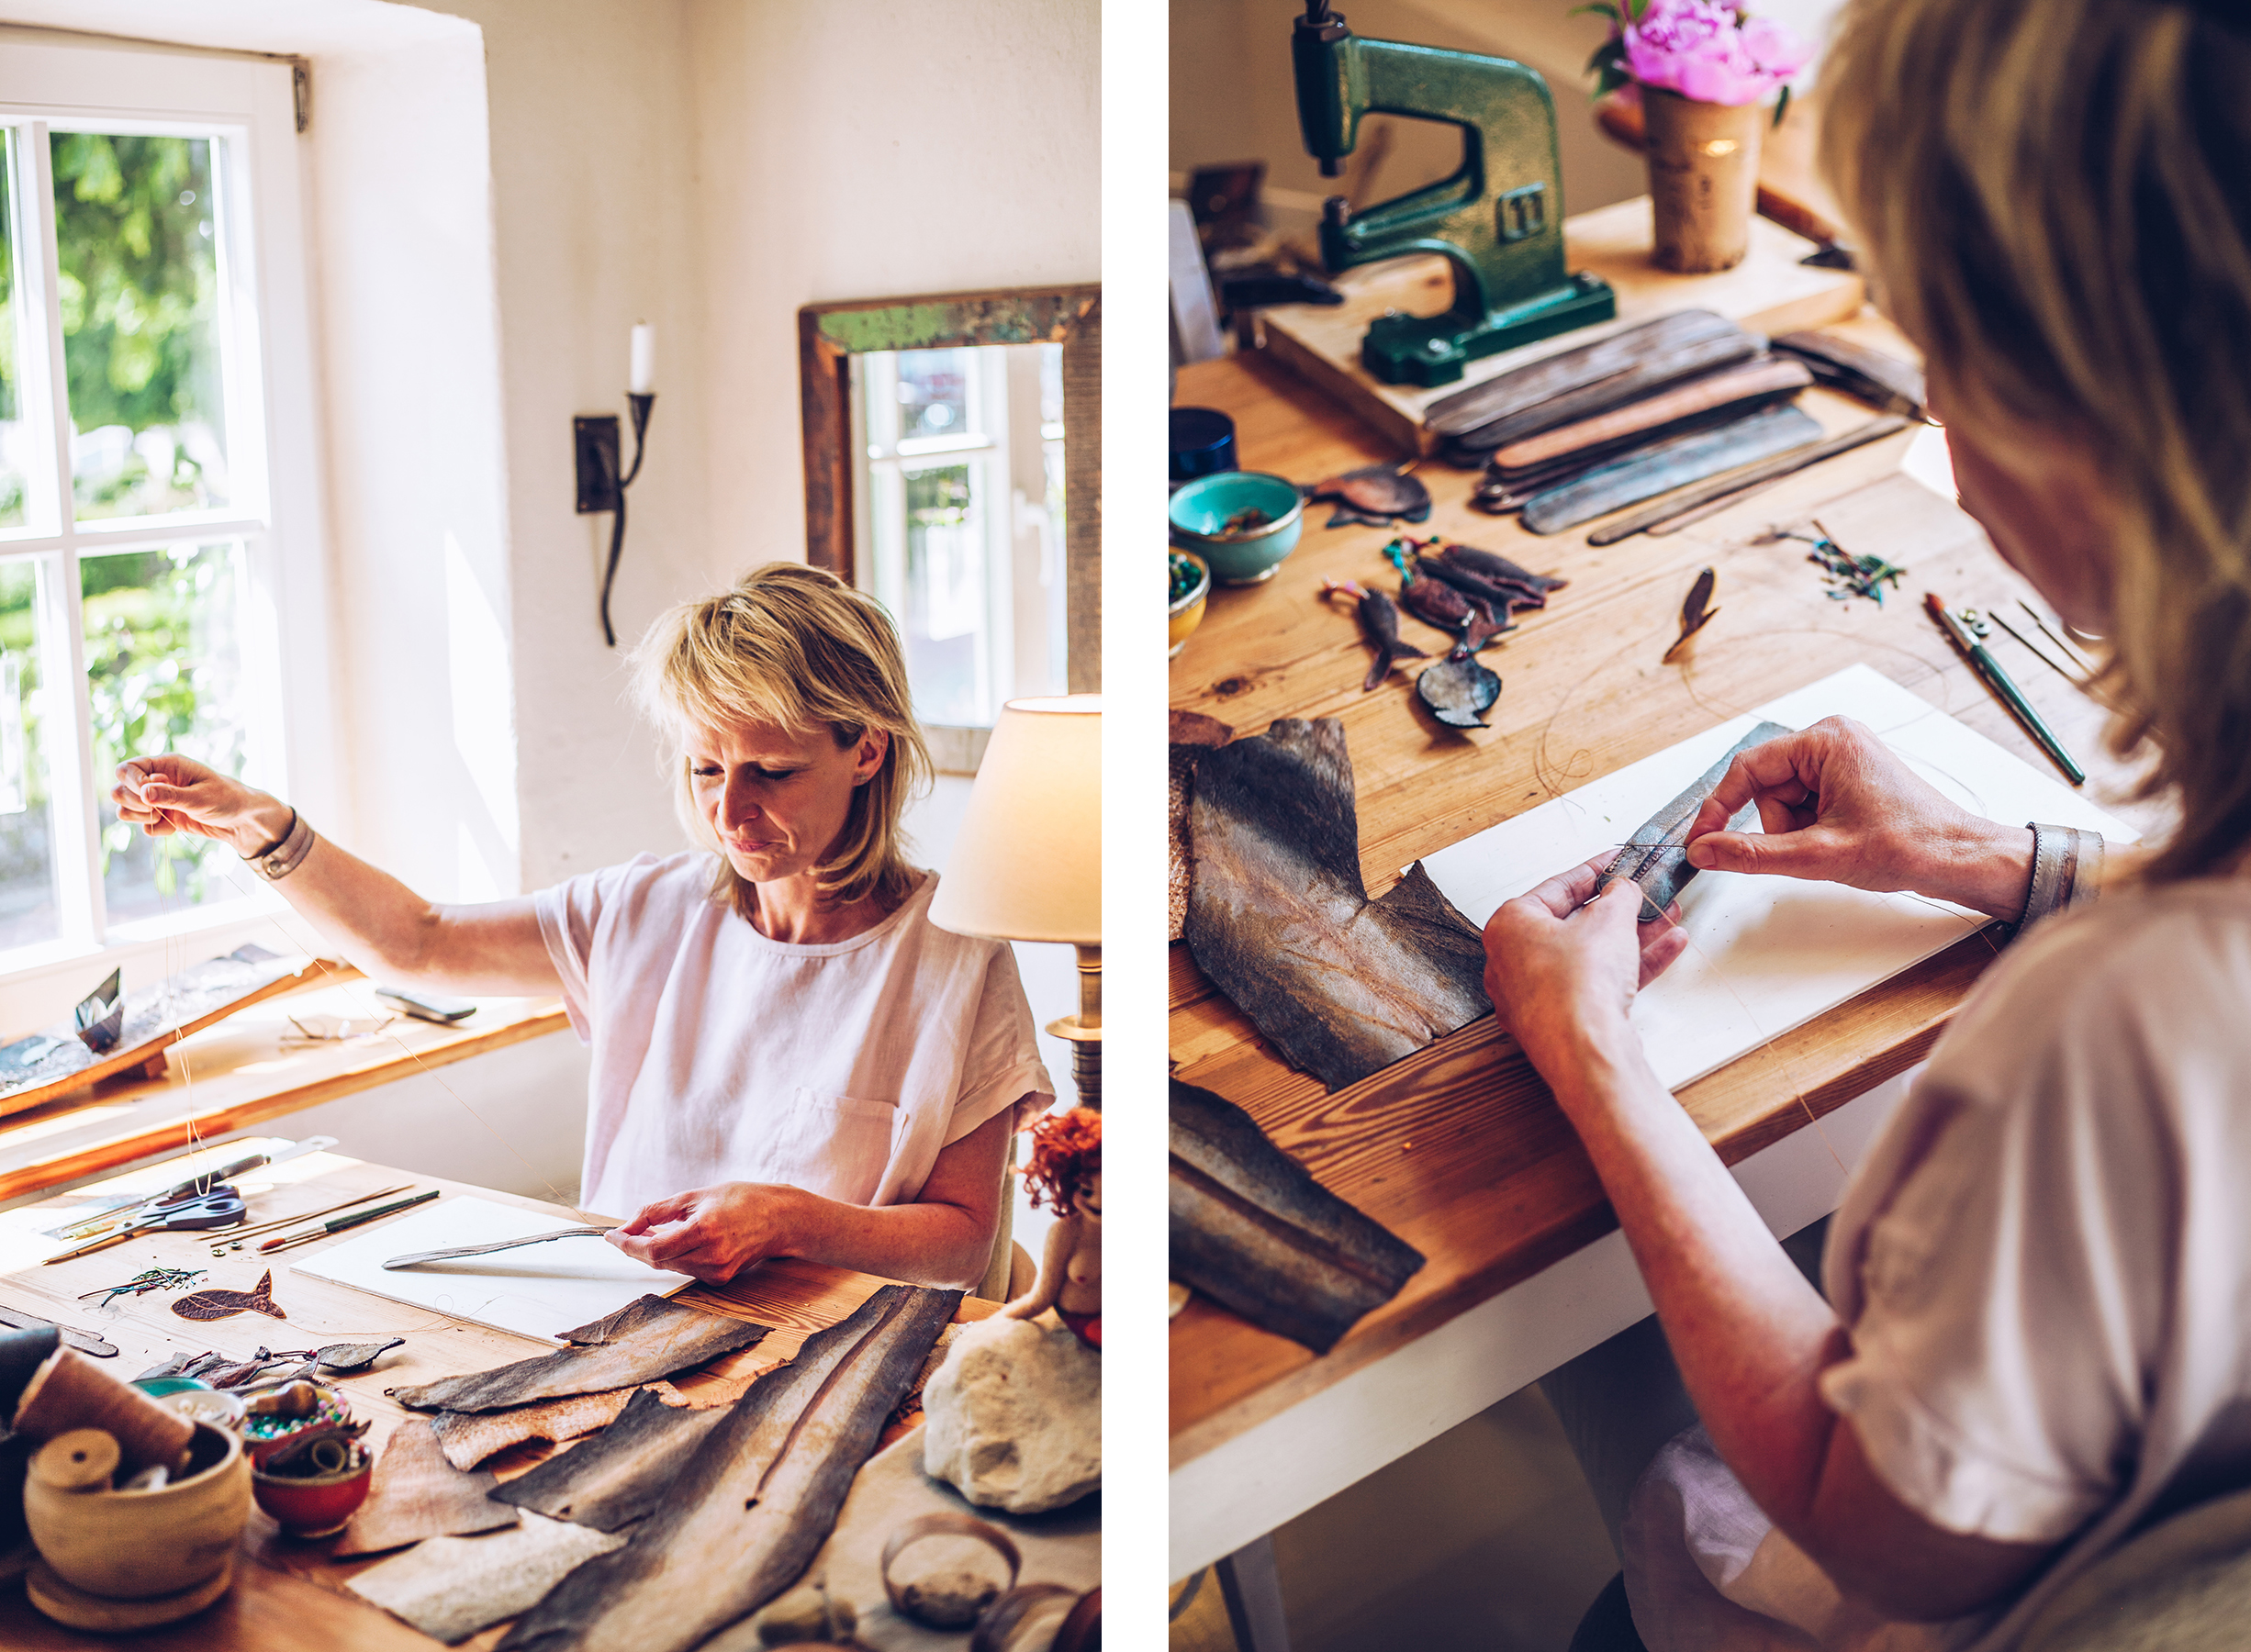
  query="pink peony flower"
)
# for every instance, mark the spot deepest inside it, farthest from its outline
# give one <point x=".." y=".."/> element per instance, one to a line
<point x="1711" y="53"/>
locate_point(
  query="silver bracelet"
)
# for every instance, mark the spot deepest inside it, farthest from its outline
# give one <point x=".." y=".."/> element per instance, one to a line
<point x="2066" y="871"/>
<point x="286" y="853"/>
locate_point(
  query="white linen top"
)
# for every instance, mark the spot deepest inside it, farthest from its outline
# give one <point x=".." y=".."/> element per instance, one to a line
<point x="721" y="1055"/>
<point x="2044" y="1261"/>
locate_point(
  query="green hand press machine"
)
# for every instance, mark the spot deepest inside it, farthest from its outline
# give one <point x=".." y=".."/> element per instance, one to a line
<point x="1499" y="220"/>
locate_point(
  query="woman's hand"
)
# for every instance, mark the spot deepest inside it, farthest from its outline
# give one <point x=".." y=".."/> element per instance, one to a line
<point x="1560" y="965"/>
<point x="1838" y="805"/>
<point x="169" y="793"/>
<point x="712" y="1234"/>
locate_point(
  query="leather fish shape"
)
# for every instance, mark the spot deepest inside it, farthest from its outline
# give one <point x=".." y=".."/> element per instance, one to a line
<point x="225" y="1304"/>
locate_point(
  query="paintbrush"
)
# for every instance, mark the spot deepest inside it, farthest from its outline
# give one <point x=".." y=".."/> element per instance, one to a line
<point x="337" y="1224"/>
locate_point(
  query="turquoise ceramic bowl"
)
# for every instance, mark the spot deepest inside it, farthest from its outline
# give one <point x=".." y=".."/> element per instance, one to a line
<point x="1200" y="510"/>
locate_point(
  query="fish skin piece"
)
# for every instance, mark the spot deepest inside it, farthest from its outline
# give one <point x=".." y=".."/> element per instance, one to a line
<point x="1457" y="688"/>
<point x="652" y="1337"/>
<point x="1380" y="618"/>
<point x="619" y="1476"/>
<point x="1656" y="856"/>
<point x="1472" y="584"/>
<point x="1252" y="1230"/>
<point x="1280" y="919"/>
<point x="345" y="1358"/>
<point x="416" y="1493"/>
<point x="757" y="1498"/>
<point x="1492" y="565"/>
<point x="469" y="1437"/>
<point x="450" y="1588"/>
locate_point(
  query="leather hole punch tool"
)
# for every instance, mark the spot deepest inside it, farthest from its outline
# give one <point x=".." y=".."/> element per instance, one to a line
<point x="1499" y="220"/>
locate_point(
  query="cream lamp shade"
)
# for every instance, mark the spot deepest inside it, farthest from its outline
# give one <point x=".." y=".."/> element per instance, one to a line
<point x="1028" y="862"/>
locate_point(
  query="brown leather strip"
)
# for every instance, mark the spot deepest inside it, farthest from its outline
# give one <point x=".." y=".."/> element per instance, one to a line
<point x="1698" y="395"/>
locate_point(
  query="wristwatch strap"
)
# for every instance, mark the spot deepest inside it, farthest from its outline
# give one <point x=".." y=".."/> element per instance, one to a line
<point x="283" y="856"/>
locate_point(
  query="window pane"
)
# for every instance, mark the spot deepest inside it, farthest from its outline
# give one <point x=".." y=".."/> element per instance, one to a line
<point x="165" y="673"/>
<point x="933" y="393"/>
<point x="27" y="903"/>
<point x="16" y="454"/>
<point x="136" y="227"/>
<point x="944" y="615"/>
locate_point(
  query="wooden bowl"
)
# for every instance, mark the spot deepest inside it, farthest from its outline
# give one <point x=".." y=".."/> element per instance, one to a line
<point x="315" y="1505"/>
<point x="130" y="1545"/>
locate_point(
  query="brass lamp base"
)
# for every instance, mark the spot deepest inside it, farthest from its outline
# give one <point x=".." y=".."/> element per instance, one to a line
<point x="1084" y="1030"/>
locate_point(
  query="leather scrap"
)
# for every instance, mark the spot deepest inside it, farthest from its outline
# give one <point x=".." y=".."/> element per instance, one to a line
<point x="1657" y="855"/>
<point x="758" y="1497"/>
<point x="651" y="1337"/>
<point x="450" y="1588"/>
<point x="416" y="1493"/>
<point x="1279" y="919"/>
<point x="1253" y="1230"/>
<point x="619" y="1476"/>
<point x="469" y="1437"/>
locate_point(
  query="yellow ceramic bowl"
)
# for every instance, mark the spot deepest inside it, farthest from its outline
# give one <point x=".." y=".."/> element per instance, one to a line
<point x="1187" y="612"/>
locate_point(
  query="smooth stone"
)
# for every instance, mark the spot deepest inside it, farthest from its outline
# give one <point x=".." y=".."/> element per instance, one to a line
<point x="1015" y="1417"/>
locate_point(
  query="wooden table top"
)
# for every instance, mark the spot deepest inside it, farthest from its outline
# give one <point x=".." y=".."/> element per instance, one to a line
<point x="249" y="1068"/>
<point x="1459" y="1148"/>
<point x="288" y="1595"/>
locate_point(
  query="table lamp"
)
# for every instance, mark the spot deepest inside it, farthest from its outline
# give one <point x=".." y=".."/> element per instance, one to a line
<point x="1028" y="864"/>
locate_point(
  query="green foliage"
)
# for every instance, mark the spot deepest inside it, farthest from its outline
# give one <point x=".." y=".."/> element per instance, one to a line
<point x="139" y="292"/>
<point x="150" y="678"/>
<point x="938" y="498"/>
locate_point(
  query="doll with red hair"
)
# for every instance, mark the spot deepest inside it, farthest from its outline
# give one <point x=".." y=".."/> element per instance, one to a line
<point x="1065" y="1174"/>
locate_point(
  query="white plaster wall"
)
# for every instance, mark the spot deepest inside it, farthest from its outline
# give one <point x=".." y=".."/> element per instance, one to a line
<point x="497" y="190"/>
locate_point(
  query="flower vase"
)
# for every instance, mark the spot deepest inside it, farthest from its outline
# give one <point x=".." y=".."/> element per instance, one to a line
<point x="1703" y="179"/>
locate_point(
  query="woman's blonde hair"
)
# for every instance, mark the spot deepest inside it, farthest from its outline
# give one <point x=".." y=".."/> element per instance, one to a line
<point x="2053" y="200"/>
<point x="796" y="647"/>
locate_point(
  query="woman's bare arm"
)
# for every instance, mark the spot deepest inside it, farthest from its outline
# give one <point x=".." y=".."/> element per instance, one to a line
<point x="943" y="1238"/>
<point x="375" y="922"/>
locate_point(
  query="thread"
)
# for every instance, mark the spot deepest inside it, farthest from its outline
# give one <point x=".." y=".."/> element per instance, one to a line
<point x="69" y="1392"/>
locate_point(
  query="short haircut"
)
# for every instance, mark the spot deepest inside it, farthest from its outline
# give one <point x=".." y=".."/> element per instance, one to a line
<point x="796" y="647"/>
<point x="2052" y="198"/>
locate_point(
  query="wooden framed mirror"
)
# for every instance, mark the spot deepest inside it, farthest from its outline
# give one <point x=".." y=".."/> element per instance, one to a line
<point x="942" y="446"/>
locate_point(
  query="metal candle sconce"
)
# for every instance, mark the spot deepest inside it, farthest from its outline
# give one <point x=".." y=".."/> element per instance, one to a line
<point x="601" y="484"/>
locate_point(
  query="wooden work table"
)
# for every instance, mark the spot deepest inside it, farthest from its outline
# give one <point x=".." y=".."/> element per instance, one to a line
<point x="287" y="1594"/>
<point x="1459" y="1148"/>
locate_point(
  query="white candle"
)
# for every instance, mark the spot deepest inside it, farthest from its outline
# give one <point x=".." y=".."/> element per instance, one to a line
<point x="642" y="379"/>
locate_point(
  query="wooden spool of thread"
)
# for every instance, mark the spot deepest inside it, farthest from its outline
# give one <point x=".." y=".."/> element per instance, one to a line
<point x="69" y="1392"/>
<point x="80" y="1460"/>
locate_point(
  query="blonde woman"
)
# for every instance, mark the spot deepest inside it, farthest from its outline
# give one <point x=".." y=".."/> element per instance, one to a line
<point x="2035" y="1335"/>
<point x="789" y="1058"/>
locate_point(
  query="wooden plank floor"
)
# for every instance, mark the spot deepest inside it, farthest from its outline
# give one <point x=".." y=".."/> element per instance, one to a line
<point x="1459" y="1148"/>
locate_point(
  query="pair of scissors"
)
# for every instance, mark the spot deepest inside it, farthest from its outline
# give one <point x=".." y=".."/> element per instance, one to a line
<point x="222" y="1207"/>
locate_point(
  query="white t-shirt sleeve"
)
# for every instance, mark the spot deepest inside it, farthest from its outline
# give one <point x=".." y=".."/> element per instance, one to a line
<point x="571" y="923"/>
<point x="1002" y="1065"/>
<point x="2003" y="1277"/>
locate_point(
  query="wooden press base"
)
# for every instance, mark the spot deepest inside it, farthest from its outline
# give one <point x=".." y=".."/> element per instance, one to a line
<point x="66" y="1604"/>
<point x="1769" y="292"/>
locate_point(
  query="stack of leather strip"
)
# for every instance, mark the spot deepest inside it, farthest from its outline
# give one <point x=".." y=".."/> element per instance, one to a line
<point x="1634" y="415"/>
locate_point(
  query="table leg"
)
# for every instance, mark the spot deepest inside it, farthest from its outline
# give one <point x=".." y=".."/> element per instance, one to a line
<point x="1252" y="1589"/>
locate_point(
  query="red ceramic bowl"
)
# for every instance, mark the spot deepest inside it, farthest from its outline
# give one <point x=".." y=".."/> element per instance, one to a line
<point x="315" y="1505"/>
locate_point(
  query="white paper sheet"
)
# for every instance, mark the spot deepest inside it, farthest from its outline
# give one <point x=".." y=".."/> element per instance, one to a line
<point x="1766" y="954"/>
<point x="541" y="1290"/>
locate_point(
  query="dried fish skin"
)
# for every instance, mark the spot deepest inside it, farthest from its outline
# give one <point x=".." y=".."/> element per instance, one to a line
<point x="1252" y="1230"/>
<point x="1279" y="920"/>
<point x="1492" y="565"/>
<point x="346" y="1358"/>
<point x="450" y="1588"/>
<point x="416" y="1493"/>
<point x="757" y="1498"/>
<point x="1374" y="494"/>
<point x="1656" y="856"/>
<point x="226" y="1304"/>
<point x="651" y="1338"/>
<point x="619" y="1476"/>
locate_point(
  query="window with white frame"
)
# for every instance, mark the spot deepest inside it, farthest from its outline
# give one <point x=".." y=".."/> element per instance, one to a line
<point x="960" y="533"/>
<point x="149" y="200"/>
